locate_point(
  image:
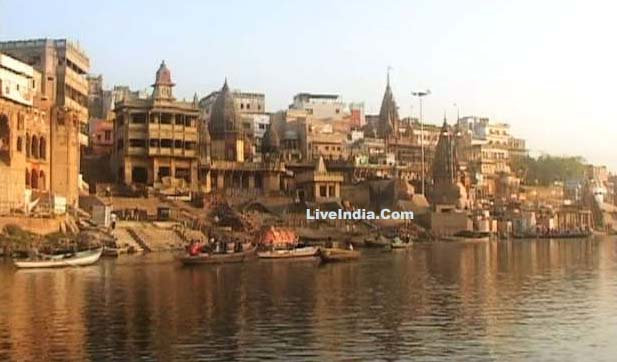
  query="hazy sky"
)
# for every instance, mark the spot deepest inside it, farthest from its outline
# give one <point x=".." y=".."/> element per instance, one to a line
<point x="546" y="67"/>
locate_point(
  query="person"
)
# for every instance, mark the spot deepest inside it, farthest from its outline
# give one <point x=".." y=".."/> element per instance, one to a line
<point x="113" y="221"/>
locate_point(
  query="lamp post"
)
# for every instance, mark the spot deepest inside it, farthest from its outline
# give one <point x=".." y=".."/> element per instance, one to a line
<point x="420" y="95"/>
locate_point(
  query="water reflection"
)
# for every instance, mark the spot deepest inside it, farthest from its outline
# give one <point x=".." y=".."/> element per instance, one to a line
<point x="547" y="299"/>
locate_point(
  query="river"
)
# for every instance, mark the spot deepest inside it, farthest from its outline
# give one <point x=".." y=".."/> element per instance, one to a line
<point x="545" y="300"/>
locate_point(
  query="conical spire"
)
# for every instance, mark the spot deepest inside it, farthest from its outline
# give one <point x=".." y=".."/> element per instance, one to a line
<point x="320" y="167"/>
<point x="271" y="141"/>
<point x="388" y="114"/>
<point x="163" y="84"/>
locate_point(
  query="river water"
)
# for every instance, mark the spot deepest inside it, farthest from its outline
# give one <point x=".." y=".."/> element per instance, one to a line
<point x="545" y="300"/>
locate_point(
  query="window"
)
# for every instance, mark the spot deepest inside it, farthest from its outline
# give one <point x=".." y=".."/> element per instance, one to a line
<point x="248" y="106"/>
<point x="138" y="118"/>
<point x="135" y="142"/>
<point x="322" y="191"/>
<point x="19" y="144"/>
<point x="262" y="126"/>
<point x="107" y="135"/>
<point x="154" y="143"/>
<point x="166" y="143"/>
<point x="331" y="189"/>
<point x="241" y="105"/>
<point x="178" y="143"/>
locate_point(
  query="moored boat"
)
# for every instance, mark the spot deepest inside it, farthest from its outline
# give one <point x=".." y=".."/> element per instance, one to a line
<point x="378" y="242"/>
<point x="330" y="255"/>
<point x="218" y="258"/>
<point x="81" y="258"/>
<point x="305" y="252"/>
<point x="475" y="236"/>
<point x="397" y="243"/>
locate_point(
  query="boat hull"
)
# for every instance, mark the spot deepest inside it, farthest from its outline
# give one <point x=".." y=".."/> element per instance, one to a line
<point x="82" y="259"/>
<point x="308" y="252"/>
<point x="466" y="239"/>
<point x="338" y="255"/>
<point x="217" y="258"/>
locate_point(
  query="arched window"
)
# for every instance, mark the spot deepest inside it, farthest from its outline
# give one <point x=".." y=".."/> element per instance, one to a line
<point x="42" y="180"/>
<point x="20" y="145"/>
<point x="35" y="146"/>
<point x="27" y="177"/>
<point x="34" y="180"/>
<point x="28" y="145"/>
<point x="5" y="138"/>
<point x="42" y="148"/>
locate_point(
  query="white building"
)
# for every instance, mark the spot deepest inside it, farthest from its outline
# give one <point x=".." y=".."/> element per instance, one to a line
<point x="320" y="106"/>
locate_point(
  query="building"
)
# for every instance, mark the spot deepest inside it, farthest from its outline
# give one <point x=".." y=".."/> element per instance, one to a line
<point x="156" y="139"/>
<point x="319" y="106"/>
<point x="227" y="163"/>
<point x="64" y="90"/>
<point x="319" y="185"/>
<point x="24" y="137"/>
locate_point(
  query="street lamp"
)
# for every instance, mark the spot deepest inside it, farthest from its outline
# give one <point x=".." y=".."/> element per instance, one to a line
<point x="420" y="95"/>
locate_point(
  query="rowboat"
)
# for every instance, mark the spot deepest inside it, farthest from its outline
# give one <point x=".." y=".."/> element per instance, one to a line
<point x="81" y="258"/>
<point x="330" y="255"/>
<point x="306" y="252"/>
<point x="397" y="243"/>
<point x="468" y="236"/>
<point x="378" y="242"/>
<point x="218" y="258"/>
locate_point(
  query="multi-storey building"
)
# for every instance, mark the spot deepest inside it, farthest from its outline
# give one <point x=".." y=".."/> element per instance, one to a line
<point x="319" y="106"/>
<point x="63" y="66"/>
<point x="156" y="137"/>
<point x="24" y="136"/>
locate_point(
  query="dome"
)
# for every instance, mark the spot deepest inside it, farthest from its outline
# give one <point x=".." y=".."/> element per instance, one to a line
<point x="163" y="75"/>
<point x="271" y="142"/>
<point x="224" y="117"/>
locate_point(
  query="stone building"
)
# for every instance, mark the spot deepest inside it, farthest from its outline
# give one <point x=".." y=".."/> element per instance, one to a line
<point x="156" y="138"/>
<point x="319" y="185"/>
<point x="227" y="164"/>
<point x="24" y="137"/>
<point x="64" y="93"/>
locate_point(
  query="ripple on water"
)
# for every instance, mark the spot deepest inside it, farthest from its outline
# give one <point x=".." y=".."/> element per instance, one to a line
<point x="507" y="301"/>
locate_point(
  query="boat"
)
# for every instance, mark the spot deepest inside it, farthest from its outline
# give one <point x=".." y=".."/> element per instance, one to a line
<point x="114" y="252"/>
<point x="330" y="255"/>
<point x="378" y="242"/>
<point x="397" y="243"/>
<point x="305" y="252"/>
<point x="218" y="258"/>
<point x="475" y="236"/>
<point x="81" y="258"/>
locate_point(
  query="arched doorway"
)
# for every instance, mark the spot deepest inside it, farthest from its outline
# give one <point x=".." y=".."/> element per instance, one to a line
<point x="42" y="185"/>
<point x="34" y="179"/>
<point x="42" y="148"/>
<point x="35" y="146"/>
<point x="27" y="178"/>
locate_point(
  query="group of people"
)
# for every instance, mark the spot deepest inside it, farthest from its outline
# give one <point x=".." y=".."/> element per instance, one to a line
<point x="213" y="246"/>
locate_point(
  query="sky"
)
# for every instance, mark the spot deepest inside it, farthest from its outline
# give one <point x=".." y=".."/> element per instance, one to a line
<point x="548" y="68"/>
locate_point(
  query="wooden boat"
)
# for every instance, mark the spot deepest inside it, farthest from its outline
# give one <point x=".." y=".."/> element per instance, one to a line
<point x="330" y="255"/>
<point x="222" y="258"/>
<point x="306" y="252"/>
<point x="81" y="258"/>
<point x="379" y="242"/>
<point x="474" y="236"/>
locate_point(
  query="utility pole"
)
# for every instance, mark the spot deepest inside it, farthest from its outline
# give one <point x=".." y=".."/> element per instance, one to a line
<point x="420" y="95"/>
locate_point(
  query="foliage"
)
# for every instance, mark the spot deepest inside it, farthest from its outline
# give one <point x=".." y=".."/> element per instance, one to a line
<point x="547" y="169"/>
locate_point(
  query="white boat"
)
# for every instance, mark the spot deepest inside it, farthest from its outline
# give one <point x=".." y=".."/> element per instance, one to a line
<point x="81" y="258"/>
<point x="306" y="252"/>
